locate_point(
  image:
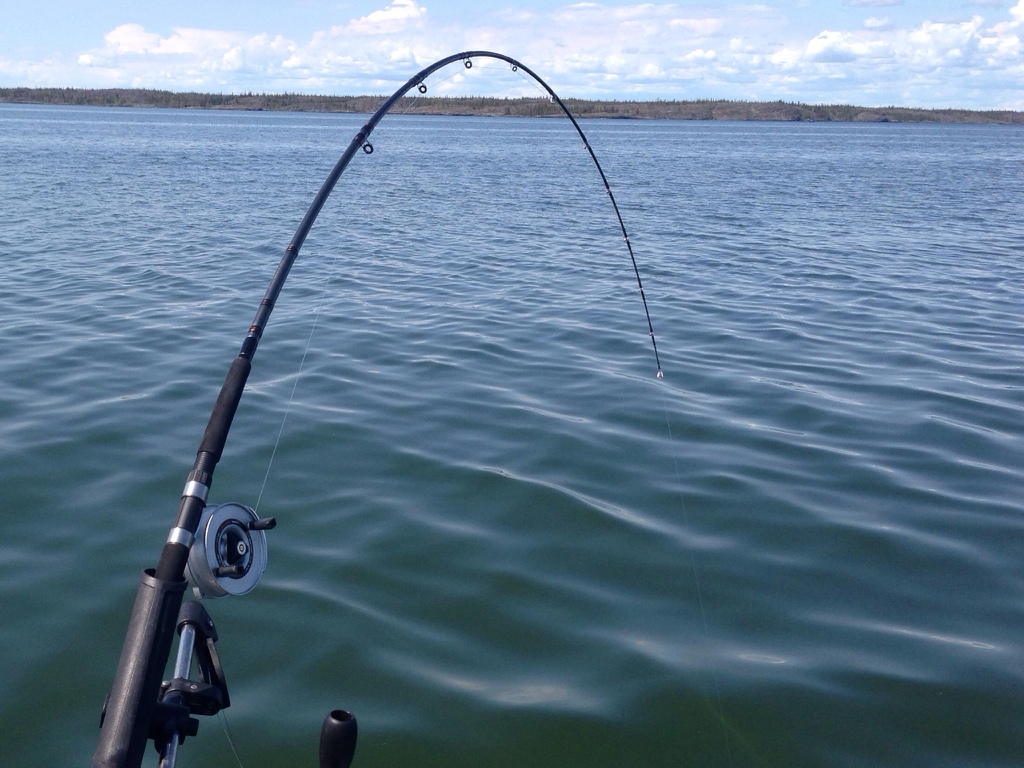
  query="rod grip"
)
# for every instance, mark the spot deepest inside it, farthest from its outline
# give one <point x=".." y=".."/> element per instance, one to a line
<point x="216" y="434"/>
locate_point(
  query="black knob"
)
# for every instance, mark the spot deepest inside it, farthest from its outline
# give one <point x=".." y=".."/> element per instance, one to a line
<point x="338" y="740"/>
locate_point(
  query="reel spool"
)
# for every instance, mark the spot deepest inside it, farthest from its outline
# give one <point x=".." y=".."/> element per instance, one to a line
<point x="230" y="550"/>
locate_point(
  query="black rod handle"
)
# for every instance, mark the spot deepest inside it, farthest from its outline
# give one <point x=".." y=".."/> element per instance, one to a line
<point x="338" y="739"/>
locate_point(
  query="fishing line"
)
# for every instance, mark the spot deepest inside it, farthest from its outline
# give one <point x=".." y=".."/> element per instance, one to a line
<point x="421" y="90"/>
<point x="532" y="83"/>
<point x="696" y="581"/>
<point x="517" y="67"/>
<point x="129" y="714"/>
<point x="540" y="85"/>
<point x="410" y="103"/>
<point x="295" y="384"/>
<point x="231" y="741"/>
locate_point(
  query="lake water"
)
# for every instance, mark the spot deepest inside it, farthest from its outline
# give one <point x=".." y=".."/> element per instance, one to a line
<point x="502" y="541"/>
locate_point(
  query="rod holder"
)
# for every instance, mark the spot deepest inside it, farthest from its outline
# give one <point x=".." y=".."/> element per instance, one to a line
<point x="128" y="711"/>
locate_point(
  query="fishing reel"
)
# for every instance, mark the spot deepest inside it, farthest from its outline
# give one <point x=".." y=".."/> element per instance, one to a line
<point x="228" y="557"/>
<point x="230" y="550"/>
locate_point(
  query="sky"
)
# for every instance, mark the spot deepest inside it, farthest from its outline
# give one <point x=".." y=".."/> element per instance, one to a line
<point x="934" y="53"/>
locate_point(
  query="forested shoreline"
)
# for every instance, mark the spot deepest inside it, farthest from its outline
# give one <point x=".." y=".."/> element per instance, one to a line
<point x="701" y="109"/>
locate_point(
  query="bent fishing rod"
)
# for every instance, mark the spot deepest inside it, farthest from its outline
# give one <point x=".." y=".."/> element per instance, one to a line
<point x="221" y="548"/>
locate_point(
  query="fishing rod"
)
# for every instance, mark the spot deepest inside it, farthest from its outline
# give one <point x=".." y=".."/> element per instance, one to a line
<point x="221" y="548"/>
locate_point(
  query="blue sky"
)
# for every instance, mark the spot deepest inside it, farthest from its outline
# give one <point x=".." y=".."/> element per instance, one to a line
<point x="939" y="53"/>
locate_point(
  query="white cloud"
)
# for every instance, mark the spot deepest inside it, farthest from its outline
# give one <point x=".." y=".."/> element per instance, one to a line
<point x="187" y="57"/>
<point x="941" y="44"/>
<point x="833" y="47"/>
<point x="930" y="64"/>
<point x="643" y="50"/>
<point x="130" y="38"/>
<point x="877" y="22"/>
<point x="397" y="17"/>
<point x="698" y="27"/>
<point x="699" y="55"/>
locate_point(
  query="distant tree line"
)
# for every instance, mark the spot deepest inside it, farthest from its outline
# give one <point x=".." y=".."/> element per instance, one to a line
<point x="702" y="109"/>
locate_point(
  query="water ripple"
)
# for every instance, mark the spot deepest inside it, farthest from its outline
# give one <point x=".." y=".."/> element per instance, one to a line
<point x="502" y="541"/>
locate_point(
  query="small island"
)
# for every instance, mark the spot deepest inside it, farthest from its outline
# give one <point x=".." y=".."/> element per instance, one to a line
<point x="699" y="109"/>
